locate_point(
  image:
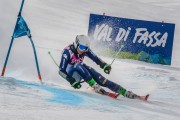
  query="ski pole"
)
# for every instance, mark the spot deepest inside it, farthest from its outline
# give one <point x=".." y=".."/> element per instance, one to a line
<point x="117" y="54"/>
<point x="53" y="59"/>
<point x="114" y="58"/>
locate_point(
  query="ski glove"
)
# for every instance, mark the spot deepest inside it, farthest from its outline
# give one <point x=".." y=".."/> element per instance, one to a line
<point x="74" y="83"/>
<point x="106" y="67"/>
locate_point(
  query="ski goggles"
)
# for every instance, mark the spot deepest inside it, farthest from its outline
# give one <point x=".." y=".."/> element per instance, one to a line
<point x="83" y="48"/>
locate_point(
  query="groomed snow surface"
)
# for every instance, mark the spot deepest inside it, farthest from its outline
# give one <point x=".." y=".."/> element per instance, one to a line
<point x="20" y="99"/>
<point x="54" y="24"/>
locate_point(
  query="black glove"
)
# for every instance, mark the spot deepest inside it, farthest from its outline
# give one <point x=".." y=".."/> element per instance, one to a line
<point x="106" y="67"/>
<point x="74" y="83"/>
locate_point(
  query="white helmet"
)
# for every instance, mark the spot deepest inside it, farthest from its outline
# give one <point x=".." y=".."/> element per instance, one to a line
<point x="82" y="40"/>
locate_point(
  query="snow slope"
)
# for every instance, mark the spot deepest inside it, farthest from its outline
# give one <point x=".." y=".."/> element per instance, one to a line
<point x="54" y="24"/>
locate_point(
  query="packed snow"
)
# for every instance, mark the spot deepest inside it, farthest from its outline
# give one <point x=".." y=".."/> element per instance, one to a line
<point x="54" y="24"/>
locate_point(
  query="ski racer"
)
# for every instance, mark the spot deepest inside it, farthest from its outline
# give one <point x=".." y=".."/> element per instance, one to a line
<point x="74" y="70"/>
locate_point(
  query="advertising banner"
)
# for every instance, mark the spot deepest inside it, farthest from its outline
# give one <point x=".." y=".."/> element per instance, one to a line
<point x="136" y="39"/>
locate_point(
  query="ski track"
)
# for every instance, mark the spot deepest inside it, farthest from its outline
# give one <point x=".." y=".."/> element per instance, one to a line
<point x="88" y="100"/>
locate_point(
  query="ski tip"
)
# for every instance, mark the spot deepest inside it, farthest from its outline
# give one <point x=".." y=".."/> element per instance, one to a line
<point x="144" y="98"/>
<point x="147" y="96"/>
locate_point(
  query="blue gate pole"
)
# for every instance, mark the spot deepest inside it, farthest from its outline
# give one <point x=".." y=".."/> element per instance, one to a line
<point x="9" y="50"/>
<point x="12" y="40"/>
<point x="22" y="4"/>
<point x="35" y="55"/>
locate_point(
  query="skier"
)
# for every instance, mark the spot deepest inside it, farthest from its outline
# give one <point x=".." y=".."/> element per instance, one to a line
<point x="74" y="70"/>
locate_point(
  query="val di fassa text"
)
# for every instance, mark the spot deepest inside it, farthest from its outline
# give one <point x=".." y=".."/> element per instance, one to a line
<point x="142" y="35"/>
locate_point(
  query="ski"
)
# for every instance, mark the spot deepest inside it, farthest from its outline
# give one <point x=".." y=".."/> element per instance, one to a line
<point x="110" y="94"/>
<point x="103" y="92"/>
<point x="116" y="95"/>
